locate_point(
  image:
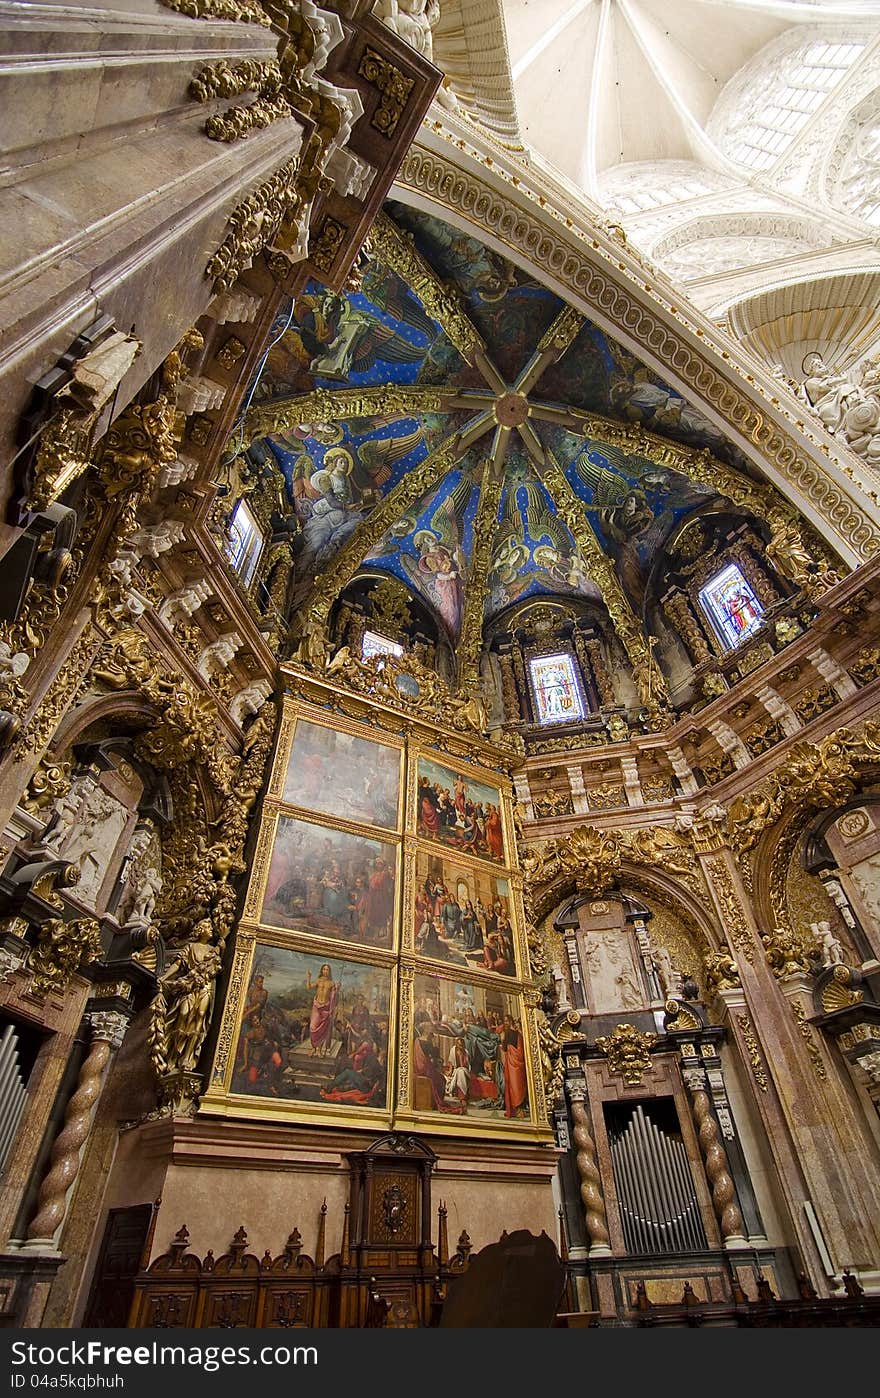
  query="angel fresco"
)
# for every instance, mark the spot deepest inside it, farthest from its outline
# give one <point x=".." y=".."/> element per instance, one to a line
<point x="387" y="291"/>
<point x="359" y="341"/>
<point x="479" y="272"/>
<point x="636" y="508"/>
<point x="533" y="546"/>
<point x="436" y="567"/>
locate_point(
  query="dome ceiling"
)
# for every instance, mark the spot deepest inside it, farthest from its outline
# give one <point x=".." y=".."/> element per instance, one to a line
<point x="470" y="439"/>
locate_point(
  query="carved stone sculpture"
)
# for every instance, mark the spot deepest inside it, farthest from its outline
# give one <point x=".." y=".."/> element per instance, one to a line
<point x="143" y="878"/>
<point x="411" y="20"/>
<point x="848" y="405"/>
<point x="831" y="949"/>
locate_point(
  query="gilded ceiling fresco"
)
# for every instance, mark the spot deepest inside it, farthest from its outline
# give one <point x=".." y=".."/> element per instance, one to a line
<point x="508" y="409"/>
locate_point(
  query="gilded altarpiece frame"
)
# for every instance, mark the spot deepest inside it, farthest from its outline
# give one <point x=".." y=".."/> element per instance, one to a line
<point x="320" y="1011"/>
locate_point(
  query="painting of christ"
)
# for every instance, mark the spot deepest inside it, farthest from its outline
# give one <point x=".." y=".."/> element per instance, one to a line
<point x="314" y="1030"/>
<point x="461" y="915"/>
<point x="457" y="811"/>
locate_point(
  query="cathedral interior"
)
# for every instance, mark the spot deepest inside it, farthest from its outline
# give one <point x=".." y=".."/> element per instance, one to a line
<point x="439" y="660"/>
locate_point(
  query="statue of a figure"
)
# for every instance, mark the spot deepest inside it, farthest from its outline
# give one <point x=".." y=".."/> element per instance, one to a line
<point x="847" y="405"/>
<point x="412" y="21"/>
<point x="181" y="1011"/>
<point x="67" y="810"/>
<point x="670" y="979"/>
<point x="830" y="947"/>
<point x="826" y="390"/>
<point x="143" y="879"/>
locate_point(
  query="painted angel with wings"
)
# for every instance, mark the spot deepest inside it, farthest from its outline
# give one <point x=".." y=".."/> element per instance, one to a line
<point x="438" y="569"/>
<point x="360" y="340"/>
<point x="391" y="294"/>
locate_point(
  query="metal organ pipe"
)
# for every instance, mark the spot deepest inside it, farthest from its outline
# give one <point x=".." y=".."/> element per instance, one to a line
<point x="659" y="1209"/>
<point x="632" y="1206"/>
<point x="683" y="1168"/>
<point x="13" y="1093"/>
<point x="648" y="1164"/>
<point x="668" y="1201"/>
<point x="677" y="1202"/>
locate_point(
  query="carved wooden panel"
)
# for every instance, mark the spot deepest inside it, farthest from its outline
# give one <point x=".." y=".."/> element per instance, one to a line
<point x="393" y="1208"/>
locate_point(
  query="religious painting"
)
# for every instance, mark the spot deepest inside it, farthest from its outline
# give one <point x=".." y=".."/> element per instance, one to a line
<point x="314" y="1029"/>
<point x="340" y="774"/>
<point x="468" y="1051"/>
<point x="458" y="811"/>
<point x="429" y="547"/>
<point x="731" y="606"/>
<point x="555" y="687"/>
<point x="533" y="550"/>
<point x="331" y="883"/>
<point x="462" y="915"/>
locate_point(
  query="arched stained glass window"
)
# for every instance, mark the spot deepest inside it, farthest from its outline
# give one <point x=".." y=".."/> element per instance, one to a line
<point x="731" y="605"/>
<point x="557" y="691"/>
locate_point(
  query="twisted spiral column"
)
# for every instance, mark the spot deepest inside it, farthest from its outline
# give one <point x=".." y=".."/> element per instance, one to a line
<point x="715" y="1157"/>
<point x="591" y="1191"/>
<point x="107" y="1031"/>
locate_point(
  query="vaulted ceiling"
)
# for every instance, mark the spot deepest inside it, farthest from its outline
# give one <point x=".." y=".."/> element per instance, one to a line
<point x="478" y="440"/>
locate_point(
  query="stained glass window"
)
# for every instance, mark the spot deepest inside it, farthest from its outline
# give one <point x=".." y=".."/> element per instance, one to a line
<point x="244" y="542"/>
<point x="374" y="644"/>
<point x="731" y="606"/>
<point x="557" y="693"/>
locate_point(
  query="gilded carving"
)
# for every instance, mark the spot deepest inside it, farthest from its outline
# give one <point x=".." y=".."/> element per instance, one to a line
<point x="789" y="951"/>
<point x="733" y="916"/>
<point x="817" y="774"/>
<point x="722" y="972"/>
<point x="839" y="992"/>
<point x="394" y="89"/>
<point x="747" y="1031"/>
<point x="325" y="244"/>
<point x="396" y="250"/>
<point x="225" y="79"/>
<point x="250" y="11"/>
<point x="327" y="404"/>
<point x="62" y="949"/>
<point x="181" y="1011"/>
<point x="470" y="643"/>
<point x="253" y="224"/>
<point x="628" y="1052"/>
<point x="237" y="122"/>
<point x="817" y="1062"/>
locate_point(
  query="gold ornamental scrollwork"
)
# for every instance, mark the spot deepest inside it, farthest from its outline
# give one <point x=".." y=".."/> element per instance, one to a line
<point x="790" y="951"/>
<point x="732" y="913"/>
<point x="244" y="946"/>
<point x="756" y="1062"/>
<point x="817" y="1063"/>
<point x="253" y="224"/>
<point x="591" y="861"/>
<point x="62" y="949"/>
<point x="628" y="1051"/>
<point x="722" y="972"/>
